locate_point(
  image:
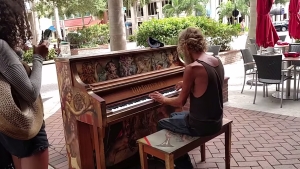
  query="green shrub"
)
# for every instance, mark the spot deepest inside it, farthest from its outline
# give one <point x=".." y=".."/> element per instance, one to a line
<point x="90" y="36"/>
<point x="132" y="38"/>
<point x="297" y="40"/>
<point x="96" y="34"/>
<point x="27" y="56"/>
<point x="166" y="30"/>
<point x="73" y="38"/>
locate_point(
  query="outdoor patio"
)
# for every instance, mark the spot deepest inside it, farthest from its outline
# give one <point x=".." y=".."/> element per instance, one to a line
<point x="264" y="135"/>
<point x="259" y="140"/>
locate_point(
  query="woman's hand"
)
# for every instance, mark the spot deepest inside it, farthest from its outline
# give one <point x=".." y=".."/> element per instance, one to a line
<point x="157" y="97"/>
<point x="178" y="86"/>
<point x="42" y="49"/>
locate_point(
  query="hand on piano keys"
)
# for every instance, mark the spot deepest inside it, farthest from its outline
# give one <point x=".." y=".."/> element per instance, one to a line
<point x="141" y="101"/>
<point x="156" y="96"/>
<point x="178" y="86"/>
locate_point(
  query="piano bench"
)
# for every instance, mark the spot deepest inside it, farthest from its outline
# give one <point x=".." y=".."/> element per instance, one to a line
<point x="168" y="146"/>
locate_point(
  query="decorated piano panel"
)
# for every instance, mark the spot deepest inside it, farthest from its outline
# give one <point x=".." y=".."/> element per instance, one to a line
<point x="91" y="121"/>
<point x="120" y="65"/>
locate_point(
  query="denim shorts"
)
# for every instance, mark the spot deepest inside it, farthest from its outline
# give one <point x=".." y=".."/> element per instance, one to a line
<point x="25" y="148"/>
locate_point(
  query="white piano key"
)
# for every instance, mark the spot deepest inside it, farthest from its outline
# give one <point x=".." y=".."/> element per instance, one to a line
<point x="142" y="101"/>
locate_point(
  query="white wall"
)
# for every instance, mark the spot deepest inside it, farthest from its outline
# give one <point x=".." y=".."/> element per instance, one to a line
<point x="45" y="23"/>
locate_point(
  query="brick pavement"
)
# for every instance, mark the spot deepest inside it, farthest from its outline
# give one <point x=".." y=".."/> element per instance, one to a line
<point x="259" y="140"/>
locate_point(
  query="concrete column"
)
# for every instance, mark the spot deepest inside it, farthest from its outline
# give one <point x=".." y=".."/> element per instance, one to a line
<point x="145" y="11"/>
<point x="215" y="4"/>
<point x="37" y="30"/>
<point x="57" y="23"/>
<point x="159" y="8"/>
<point x="133" y="11"/>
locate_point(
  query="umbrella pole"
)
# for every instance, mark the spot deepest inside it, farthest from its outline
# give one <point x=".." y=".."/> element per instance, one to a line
<point x="260" y="50"/>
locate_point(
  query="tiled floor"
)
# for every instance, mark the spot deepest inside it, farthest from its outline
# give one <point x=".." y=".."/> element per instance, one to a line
<point x="259" y="140"/>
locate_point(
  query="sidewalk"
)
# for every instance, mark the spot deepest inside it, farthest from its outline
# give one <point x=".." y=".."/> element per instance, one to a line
<point x="259" y="141"/>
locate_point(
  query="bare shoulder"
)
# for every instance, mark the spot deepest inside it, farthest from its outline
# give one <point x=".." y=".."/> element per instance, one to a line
<point x="195" y="65"/>
<point x="212" y="61"/>
<point x="196" y="68"/>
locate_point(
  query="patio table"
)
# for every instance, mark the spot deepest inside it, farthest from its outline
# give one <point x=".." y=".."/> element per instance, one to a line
<point x="282" y="47"/>
<point x="287" y="94"/>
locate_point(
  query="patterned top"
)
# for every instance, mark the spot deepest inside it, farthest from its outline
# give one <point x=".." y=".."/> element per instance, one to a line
<point x="12" y="69"/>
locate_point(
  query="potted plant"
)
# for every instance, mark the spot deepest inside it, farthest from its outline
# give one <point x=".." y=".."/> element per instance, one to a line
<point x="74" y="40"/>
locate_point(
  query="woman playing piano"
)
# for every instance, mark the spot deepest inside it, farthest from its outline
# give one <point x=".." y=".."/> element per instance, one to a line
<point x="202" y="82"/>
<point x="14" y="32"/>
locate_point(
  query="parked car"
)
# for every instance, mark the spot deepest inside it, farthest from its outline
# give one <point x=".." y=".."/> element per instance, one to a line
<point x="281" y="26"/>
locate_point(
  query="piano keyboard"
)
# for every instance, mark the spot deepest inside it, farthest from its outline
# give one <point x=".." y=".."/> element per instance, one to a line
<point x="140" y="100"/>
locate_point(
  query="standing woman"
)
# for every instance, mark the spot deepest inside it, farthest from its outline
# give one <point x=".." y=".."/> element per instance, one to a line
<point x="14" y="32"/>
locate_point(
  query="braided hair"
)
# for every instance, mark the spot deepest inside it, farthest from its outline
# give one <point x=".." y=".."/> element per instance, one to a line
<point x="14" y="25"/>
<point x="192" y="39"/>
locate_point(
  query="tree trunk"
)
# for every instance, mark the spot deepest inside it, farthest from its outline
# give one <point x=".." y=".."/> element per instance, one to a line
<point x="116" y="25"/>
<point x="253" y="22"/>
<point x="82" y="19"/>
<point x="57" y="24"/>
<point x="105" y="17"/>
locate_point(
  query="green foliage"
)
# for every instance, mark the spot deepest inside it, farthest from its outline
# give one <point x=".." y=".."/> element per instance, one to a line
<point x="96" y="34"/>
<point x="132" y="38"/>
<point x="188" y="6"/>
<point x="176" y="8"/>
<point x="167" y="30"/>
<point x="82" y="7"/>
<point x="225" y="9"/>
<point x="243" y="7"/>
<point x="45" y="8"/>
<point x="281" y="1"/>
<point x="27" y="56"/>
<point x="297" y="40"/>
<point x="90" y="36"/>
<point x="74" y="39"/>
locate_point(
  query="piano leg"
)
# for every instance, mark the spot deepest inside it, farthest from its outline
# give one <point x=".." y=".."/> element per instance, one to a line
<point x="85" y="147"/>
<point x="85" y="140"/>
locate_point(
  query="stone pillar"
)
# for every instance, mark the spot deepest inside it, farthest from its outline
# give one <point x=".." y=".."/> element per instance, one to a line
<point x="145" y="11"/>
<point x="57" y="24"/>
<point x="159" y="9"/>
<point x="133" y="12"/>
<point x="213" y="11"/>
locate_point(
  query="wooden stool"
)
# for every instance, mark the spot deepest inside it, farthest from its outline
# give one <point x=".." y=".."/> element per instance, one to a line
<point x="168" y="146"/>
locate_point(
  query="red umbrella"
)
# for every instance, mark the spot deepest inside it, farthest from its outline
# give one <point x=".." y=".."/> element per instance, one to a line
<point x="266" y="35"/>
<point x="294" y="22"/>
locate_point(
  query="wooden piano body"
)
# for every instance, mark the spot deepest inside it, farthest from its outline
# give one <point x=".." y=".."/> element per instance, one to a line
<point x="92" y="88"/>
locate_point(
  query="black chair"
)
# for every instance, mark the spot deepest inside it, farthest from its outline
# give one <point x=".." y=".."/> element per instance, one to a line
<point x="253" y="49"/>
<point x="295" y="47"/>
<point x="253" y="41"/>
<point x="269" y="71"/>
<point x="249" y="66"/>
<point x="215" y="49"/>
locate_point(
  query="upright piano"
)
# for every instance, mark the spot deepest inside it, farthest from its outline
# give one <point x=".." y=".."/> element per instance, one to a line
<point x="105" y="104"/>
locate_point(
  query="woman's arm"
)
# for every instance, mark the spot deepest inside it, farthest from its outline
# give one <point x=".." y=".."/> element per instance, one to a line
<point x="12" y="69"/>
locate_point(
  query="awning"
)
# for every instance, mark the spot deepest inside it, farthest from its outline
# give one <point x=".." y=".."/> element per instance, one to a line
<point x="128" y="24"/>
<point x="52" y="28"/>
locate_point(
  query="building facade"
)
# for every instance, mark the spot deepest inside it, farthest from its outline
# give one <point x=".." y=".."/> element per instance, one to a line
<point x="155" y="10"/>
